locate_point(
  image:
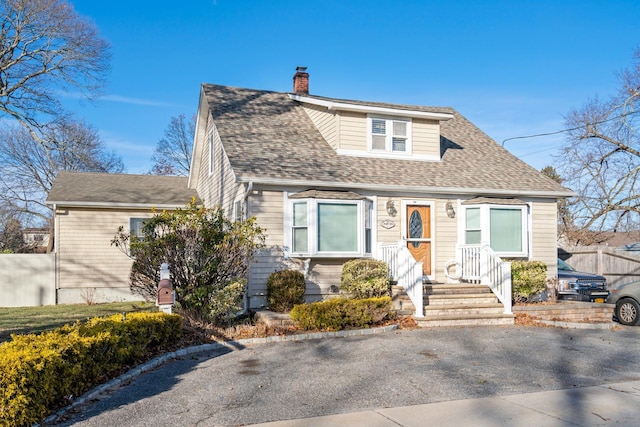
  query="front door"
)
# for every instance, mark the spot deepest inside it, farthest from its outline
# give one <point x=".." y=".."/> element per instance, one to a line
<point x="419" y="235"/>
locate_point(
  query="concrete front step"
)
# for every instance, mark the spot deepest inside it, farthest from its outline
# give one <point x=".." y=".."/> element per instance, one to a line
<point x="468" y="320"/>
<point x="461" y="288"/>
<point x="401" y="301"/>
<point x="457" y="299"/>
<point x="462" y="310"/>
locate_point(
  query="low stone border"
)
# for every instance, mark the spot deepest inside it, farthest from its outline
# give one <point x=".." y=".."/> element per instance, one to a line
<point x="578" y="325"/>
<point x="563" y="314"/>
<point x="231" y="345"/>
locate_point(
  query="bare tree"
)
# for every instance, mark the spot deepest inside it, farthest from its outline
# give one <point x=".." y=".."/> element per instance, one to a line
<point x="172" y="155"/>
<point x="46" y="47"/>
<point x="11" y="236"/>
<point x="601" y="159"/>
<point x="29" y="166"/>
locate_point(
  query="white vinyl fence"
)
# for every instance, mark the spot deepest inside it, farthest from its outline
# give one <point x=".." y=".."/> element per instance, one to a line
<point x="27" y="280"/>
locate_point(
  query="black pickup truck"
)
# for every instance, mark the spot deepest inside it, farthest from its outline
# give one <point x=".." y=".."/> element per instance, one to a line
<point x="578" y="286"/>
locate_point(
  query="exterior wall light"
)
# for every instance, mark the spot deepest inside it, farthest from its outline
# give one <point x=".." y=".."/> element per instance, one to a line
<point x="391" y="208"/>
<point x="451" y="213"/>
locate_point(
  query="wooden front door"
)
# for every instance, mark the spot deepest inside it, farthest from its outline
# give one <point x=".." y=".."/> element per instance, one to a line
<point x="419" y="235"/>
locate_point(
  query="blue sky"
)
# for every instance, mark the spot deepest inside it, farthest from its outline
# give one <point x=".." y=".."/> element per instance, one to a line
<point x="513" y="68"/>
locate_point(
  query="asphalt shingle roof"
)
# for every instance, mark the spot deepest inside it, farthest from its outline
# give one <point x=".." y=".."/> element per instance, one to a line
<point x="268" y="136"/>
<point x="86" y="188"/>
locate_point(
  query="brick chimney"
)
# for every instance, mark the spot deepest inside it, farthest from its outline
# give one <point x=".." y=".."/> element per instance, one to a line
<point x="301" y="81"/>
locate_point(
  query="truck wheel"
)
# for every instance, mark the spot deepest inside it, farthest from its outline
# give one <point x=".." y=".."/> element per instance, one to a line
<point x="627" y="311"/>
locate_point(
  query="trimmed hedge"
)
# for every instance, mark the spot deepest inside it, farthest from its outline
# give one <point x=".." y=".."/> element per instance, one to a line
<point x="528" y="278"/>
<point x="365" y="278"/>
<point x="39" y="373"/>
<point x="341" y="313"/>
<point x="285" y="289"/>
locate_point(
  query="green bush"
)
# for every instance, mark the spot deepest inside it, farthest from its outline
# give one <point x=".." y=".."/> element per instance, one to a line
<point x="528" y="278"/>
<point x="39" y="373"/>
<point x="285" y="289"/>
<point x="365" y="278"/>
<point x="206" y="250"/>
<point x="341" y="313"/>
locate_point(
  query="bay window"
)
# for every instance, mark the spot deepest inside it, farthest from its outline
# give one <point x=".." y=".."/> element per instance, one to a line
<point x="328" y="227"/>
<point x="503" y="227"/>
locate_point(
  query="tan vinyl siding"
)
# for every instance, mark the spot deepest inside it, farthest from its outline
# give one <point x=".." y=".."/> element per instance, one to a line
<point x="325" y="122"/>
<point x="218" y="188"/>
<point x="323" y="274"/>
<point x="86" y="258"/>
<point x="425" y="135"/>
<point x="268" y="208"/>
<point x="352" y="131"/>
<point x="544" y="220"/>
<point x="445" y="237"/>
<point x="388" y="235"/>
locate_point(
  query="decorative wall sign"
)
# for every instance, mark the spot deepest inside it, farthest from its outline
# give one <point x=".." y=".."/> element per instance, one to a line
<point x="387" y="223"/>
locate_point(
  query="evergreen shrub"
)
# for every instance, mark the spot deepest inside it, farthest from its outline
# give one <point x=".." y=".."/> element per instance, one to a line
<point x="528" y="278"/>
<point x="340" y="313"/>
<point x="285" y="289"/>
<point x="365" y="278"/>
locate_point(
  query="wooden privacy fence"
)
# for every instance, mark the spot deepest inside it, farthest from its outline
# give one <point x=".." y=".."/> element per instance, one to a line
<point x="619" y="267"/>
<point x="27" y="280"/>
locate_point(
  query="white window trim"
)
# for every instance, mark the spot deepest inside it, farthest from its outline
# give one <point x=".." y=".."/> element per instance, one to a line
<point x="312" y="230"/>
<point x="485" y="227"/>
<point x="385" y="155"/>
<point x="238" y="210"/>
<point x="388" y="151"/>
<point x="133" y="232"/>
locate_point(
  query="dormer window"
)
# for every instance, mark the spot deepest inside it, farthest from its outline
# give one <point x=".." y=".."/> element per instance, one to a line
<point x="389" y="135"/>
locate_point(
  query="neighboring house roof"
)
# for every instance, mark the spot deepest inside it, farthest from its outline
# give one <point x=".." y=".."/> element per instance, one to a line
<point x="119" y="190"/>
<point x="631" y="247"/>
<point x="269" y="139"/>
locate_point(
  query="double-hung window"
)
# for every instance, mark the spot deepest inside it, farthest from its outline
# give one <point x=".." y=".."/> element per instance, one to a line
<point x="503" y="227"/>
<point x="390" y="135"/>
<point x="136" y="226"/>
<point x="329" y="227"/>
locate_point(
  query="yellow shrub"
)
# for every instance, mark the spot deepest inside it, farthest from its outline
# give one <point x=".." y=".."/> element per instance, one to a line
<point x="340" y="313"/>
<point x="39" y="372"/>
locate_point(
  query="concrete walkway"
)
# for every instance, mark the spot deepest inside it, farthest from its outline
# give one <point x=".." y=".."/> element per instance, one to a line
<point x="609" y="404"/>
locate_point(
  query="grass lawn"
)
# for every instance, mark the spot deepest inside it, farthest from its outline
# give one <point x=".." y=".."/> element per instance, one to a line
<point x="25" y="320"/>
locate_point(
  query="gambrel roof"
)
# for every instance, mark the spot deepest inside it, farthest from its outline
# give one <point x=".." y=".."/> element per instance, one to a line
<point x="269" y="138"/>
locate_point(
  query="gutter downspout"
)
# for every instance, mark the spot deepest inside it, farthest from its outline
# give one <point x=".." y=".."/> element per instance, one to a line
<point x="245" y="297"/>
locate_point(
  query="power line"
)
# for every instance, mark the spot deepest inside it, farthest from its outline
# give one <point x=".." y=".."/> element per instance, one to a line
<point x="570" y="129"/>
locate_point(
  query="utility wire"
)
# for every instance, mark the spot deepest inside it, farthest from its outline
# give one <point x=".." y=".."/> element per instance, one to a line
<point x="570" y="129"/>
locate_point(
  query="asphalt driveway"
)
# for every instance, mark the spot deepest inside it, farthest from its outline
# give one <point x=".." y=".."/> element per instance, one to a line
<point x="280" y="381"/>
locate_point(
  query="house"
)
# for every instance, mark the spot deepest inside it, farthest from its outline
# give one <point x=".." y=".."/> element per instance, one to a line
<point x="333" y="179"/>
<point x="88" y="209"/>
<point x="36" y="239"/>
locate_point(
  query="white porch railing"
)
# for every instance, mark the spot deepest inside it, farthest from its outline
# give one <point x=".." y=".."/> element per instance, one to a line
<point x="404" y="269"/>
<point x="480" y="264"/>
